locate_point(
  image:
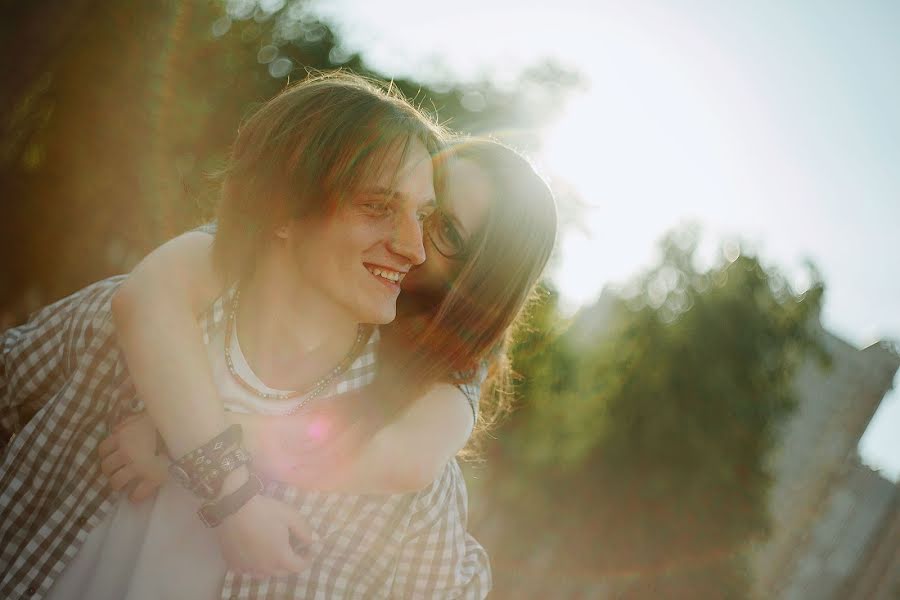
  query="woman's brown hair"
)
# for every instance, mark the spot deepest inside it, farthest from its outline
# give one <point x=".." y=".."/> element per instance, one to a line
<point x="470" y="324"/>
<point x="302" y="152"/>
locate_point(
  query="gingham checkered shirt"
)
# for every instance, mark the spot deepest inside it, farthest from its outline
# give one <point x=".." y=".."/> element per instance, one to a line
<point x="63" y="379"/>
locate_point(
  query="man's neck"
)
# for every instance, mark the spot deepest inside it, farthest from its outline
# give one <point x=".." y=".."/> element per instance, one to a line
<point x="291" y="335"/>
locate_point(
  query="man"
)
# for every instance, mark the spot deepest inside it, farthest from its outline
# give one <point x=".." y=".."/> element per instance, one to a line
<point x="322" y="200"/>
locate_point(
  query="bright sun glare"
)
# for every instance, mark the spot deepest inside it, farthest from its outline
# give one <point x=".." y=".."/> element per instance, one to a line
<point x="651" y="143"/>
<point x="710" y="115"/>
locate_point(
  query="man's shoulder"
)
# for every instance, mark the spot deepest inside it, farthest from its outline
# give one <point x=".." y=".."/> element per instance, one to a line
<point x="80" y="314"/>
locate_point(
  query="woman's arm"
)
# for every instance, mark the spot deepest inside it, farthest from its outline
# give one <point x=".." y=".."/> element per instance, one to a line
<point x="156" y="316"/>
<point x="411" y="452"/>
<point x="155" y="313"/>
<point x="407" y="455"/>
<point x="404" y="456"/>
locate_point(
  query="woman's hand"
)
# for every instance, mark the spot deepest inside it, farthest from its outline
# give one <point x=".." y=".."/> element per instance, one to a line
<point x="265" y="537"/>
<point x="128" y="458"/>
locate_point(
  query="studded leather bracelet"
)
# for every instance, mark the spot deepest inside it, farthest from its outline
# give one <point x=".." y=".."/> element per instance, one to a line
<point x="213" y="513"/>
<point x="211" y="484"/>
<point x="201" y="470"/>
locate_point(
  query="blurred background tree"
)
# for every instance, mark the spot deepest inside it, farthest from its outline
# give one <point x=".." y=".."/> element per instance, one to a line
<point x="115" y="114"/>
<point x="637" y="453"/>
<point x="634" y="465"/>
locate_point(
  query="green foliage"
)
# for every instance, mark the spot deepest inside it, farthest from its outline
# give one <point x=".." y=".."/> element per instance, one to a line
<point x="116" y="113"/>
<point x="645" y="422"/>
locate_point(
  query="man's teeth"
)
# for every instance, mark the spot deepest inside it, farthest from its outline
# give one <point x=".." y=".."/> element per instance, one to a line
<point x="389" y="275"/>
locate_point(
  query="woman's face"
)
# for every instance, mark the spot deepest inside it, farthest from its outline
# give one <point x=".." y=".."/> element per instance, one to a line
<point x="463" y="211"/>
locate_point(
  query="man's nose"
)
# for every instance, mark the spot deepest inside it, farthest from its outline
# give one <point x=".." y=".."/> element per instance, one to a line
<point x="407" y="237"/>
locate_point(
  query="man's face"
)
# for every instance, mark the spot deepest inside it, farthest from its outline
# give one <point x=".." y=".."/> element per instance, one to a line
<point x="357" y="256"/>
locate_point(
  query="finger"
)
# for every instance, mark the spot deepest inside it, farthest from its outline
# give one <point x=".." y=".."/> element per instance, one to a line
<point x="282" y="572"/>
<point x="254" y="570"/>
<point x="159" y="470"/>
<point x="113" y="462"/>
<point x="110" y="444"/>
<point x="299" y="545"/>
<point x="236" y="559"/>
<point x="129" y="487"/>
<point x="128" y="420"/>
<point x="143" y="490"/>
<point x="234" y="563"/>
<point x="260" y="574"/>
<point x="298" y="558"/>
<point x="293" y="562"/>
<point x="300" y="529"/>
<point x="120" y="478"/>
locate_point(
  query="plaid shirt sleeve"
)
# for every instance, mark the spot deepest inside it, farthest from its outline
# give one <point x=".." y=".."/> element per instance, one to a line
<point x="51" y="492"/>
<point x="36" y="358"/>
<point x="438" y="559"/>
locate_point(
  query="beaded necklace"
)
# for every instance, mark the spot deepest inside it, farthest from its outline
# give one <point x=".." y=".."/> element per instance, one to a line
<point x="362" y="335"/>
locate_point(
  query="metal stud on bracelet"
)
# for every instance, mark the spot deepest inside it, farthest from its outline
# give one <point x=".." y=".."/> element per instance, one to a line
<point x="192" y="468"/>
<point x="211" y="483"/>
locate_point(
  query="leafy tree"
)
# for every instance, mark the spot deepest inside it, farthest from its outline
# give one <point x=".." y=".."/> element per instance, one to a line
<point x="643" y="429"/>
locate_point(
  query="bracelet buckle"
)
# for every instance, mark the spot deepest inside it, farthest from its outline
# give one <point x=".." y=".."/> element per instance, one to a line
<point x="213" y="513"/>
<point x="202" y="470"/>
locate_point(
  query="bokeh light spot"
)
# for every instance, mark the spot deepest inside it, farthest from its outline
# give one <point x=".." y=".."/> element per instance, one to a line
<point x="221" y="26"/>
<point x="318" y="429"/>
<point x="267" y="54"/>
<point x="271" y="6"/>
<point x="731" y="250"/>
<point x="474" y="101"/>
<point x="240" y="9"/>
<point x="338" y="55"/>
<point x="280" y="67"/>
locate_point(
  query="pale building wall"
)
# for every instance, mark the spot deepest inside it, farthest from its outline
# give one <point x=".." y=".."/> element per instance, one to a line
<point x="834" y="407"/>
<point x="849" y="525"/>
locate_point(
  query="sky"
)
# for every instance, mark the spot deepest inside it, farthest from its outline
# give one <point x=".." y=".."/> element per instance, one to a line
<point x="776" y="124"/>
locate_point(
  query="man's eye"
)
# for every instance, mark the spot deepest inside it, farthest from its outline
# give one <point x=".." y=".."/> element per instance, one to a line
<point x="377" y="207"/>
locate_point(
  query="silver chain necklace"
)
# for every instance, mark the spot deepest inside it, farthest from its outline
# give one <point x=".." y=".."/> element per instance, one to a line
<point x="362" y="335"/>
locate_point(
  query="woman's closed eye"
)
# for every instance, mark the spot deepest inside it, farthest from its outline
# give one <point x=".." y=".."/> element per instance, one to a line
<point x="425" y="214"/>
<point x="444" y="235"/>
<point x="449" y="232"/>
